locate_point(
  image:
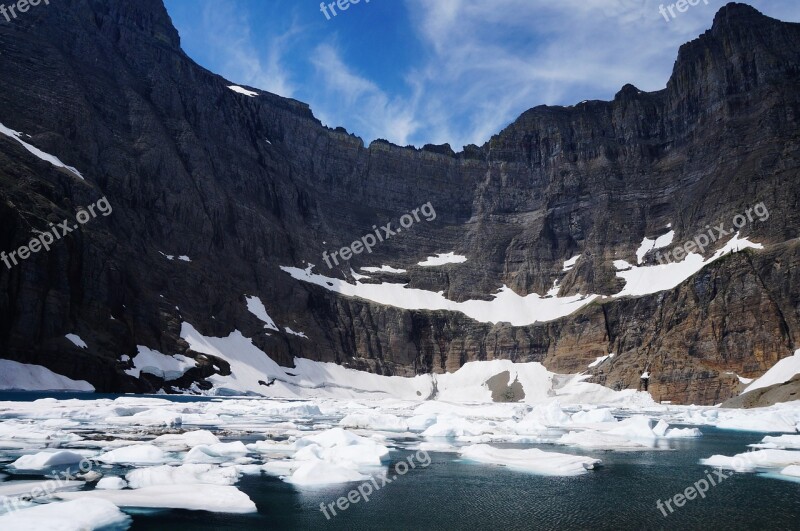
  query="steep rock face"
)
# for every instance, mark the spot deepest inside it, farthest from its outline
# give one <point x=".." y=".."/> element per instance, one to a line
<point x="246" y="185"/>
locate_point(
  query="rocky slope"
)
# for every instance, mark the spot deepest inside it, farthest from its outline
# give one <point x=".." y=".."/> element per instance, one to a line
<point x="245" y="185"/>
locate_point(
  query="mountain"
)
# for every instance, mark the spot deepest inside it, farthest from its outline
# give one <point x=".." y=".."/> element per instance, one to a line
<point x="223" y="198"/>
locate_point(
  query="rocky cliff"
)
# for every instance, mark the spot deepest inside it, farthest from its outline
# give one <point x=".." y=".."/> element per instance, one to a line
<point x="245" y="185"/>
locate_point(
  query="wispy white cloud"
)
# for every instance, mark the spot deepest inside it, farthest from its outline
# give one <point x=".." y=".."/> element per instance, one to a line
<point x="348" y="97"/>
<point x="490" y="61"/>
<point x="231" y="37"/>
<point x="483" y="62"/>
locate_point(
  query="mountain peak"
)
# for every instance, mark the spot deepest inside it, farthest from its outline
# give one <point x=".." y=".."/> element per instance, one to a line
<point x="736" y="12"/>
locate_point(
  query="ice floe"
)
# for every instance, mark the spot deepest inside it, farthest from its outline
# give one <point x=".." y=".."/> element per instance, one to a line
<point x="137" y="454"/>
<point x="531" y="460"/>
<point x="78" y="515"/>
<point x="201" y="497"/>
<point x="751" y="461"/>
<point x="215" y="453"/>
<point x="47" y="460"/>
<point x="111" y="483"/>
<point x="187" y="474"/>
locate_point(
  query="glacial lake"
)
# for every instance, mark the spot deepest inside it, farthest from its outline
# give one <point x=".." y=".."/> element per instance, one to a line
<point x="452" y="493"/>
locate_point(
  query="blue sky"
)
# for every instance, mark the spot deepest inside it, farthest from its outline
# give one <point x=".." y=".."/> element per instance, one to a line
<point x="442" y="71"/>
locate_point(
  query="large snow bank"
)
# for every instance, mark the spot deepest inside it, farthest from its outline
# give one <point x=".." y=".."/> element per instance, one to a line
<point x="25" y="377"/>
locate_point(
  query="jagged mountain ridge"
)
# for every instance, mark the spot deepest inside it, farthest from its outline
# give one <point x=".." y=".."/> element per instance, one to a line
<point x="246" y="185"/>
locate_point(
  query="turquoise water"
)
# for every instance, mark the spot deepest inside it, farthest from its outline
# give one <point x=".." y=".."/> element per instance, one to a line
<point x="455" y="494"/>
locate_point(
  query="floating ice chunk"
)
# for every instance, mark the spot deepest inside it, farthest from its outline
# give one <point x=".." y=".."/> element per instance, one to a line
<point x="26" y="377"/>
<point x="750" y="461"/>
<point x="14" y="489"/>
<point x="420" y="423"/>
<point x="341" y="447"/>
<point x="599" y="440"/>
<point x="76" y="340"/>
<point x="19" y="431"/>
<point x="272" y="448"/>
<point x="439" y="447"/>
<point x="636" y="427"/>
<point x="334" y="437"/>
<point x="79" y="515"/>
<point x="453" y="426"/>
<point x="791" y="470"/>
<point x="549" y="415"/>
<point x="374" y="421"/>
<point x="318" y="472"/>
<point x="763" y="421"/>
<point x="212" y="498"/>
<point x="788" y="442"/>
<point x="661" y="427"/>
<point x="46" y="460"/>
<point x="185" y="441"/>
<point x="283" y="468"/>
<point x="188" y="474"/>
<point x="215" y="453"/>
<point x="47" y="157"/>
<point x="242" y="90"/>
<point x="151" y="417"/>
<point x="111" y="483"/>
<point x="683" y="433"/>
<point x="594" y="416"/>
<point x="532" y="460"/>
<point x="137" y="454"/>
<point x="443" y="259"/>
